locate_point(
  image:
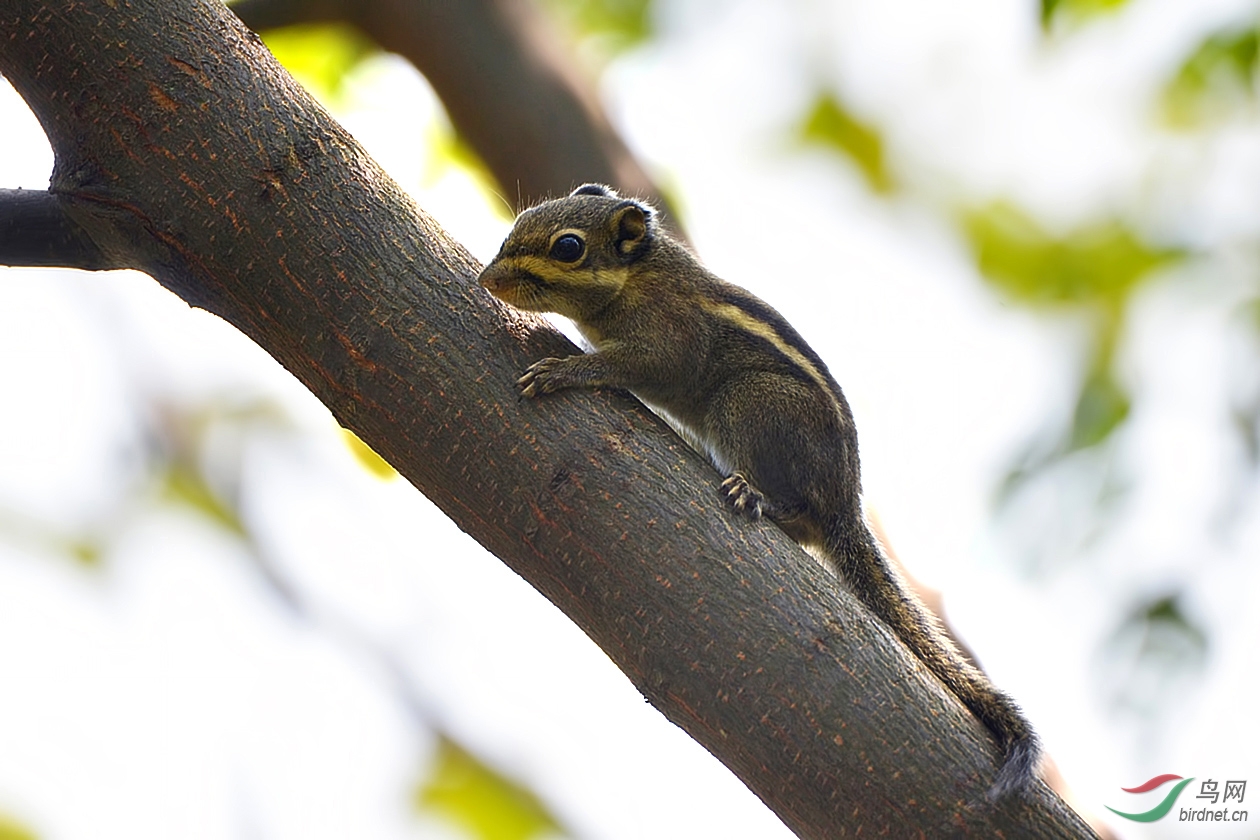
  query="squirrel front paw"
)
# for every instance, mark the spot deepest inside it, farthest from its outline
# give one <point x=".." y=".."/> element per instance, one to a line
<point x="542" y="377"/>
<point x="741" y="497"/>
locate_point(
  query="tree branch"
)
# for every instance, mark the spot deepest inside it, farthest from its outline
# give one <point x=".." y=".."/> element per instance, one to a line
<point x="182" y="147"/>
<point x="505" y="83"/>
<point x="36" y="231"/>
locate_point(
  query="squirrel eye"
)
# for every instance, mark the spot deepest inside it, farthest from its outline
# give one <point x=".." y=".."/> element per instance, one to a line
<point x="568" y="248"/>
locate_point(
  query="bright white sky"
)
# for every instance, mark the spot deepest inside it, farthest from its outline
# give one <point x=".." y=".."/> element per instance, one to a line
<point x="169" y="696"/>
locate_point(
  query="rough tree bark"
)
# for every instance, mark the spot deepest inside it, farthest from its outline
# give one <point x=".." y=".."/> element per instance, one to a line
<point x="183" y="150"/>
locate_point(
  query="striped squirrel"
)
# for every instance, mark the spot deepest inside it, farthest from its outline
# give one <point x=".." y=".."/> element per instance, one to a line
<point x="744" y="387"/>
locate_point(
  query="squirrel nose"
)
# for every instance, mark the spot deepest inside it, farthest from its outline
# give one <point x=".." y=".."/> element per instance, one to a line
<point x="491" y="278"/>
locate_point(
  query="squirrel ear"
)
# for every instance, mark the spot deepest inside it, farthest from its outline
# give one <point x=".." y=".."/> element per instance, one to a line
<point x="594" y="189"/>
<point x="631" y="228"/>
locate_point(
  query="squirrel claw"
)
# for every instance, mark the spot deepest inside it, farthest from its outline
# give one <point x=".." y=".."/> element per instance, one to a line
<point x="741" y="496"/>
<point x="537" y="378"/>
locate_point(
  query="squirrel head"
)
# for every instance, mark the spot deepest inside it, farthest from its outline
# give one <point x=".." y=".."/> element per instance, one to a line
<point x="572" y="255"/>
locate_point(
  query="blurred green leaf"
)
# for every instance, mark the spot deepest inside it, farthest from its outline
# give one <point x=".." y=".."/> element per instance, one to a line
<point x="367" y="456"/>
<point x="11" y="829"/>
<point x="1251" y="313"/>
<point x="1153" y="649"/>
<point x="831" y="125"/>
<point x="320" y="55"/>
<point x="1075" y="11"/>
<point x="195" y="441"/>
<point x="1098" y="264"/>
<point x="1218" y="78"/>
<point x="617" y="24"/>
<point x="1246" y="422"/>
<point x="183" y="485"/>
<point x="490" y="806"/>
<point x="1092" y="270"/>
<point x="1061" y="503"/>
<point x="1245" y="405"/>
<point x="86" y="546"/>
<point x="86" y="552"/>
<point x="1101" y="406"/>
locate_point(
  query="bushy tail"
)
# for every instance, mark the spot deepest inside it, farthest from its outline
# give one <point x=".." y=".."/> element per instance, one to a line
<point x="859" y="558"/>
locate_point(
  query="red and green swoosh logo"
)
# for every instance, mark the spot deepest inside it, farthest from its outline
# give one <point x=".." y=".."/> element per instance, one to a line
<point x="1162" y="808"/>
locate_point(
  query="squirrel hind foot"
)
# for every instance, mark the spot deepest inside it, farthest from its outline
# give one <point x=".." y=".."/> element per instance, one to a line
<point x="741" y="497"/>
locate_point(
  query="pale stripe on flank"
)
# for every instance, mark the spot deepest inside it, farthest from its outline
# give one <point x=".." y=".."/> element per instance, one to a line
<point x="757" y="327"/>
